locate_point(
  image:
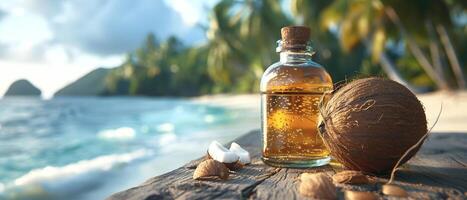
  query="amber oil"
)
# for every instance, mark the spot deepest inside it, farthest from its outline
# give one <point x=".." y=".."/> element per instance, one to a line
<point x="290" y="93"/>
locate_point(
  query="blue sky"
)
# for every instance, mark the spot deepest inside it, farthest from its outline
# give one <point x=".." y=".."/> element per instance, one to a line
<point x="54" y="42"/>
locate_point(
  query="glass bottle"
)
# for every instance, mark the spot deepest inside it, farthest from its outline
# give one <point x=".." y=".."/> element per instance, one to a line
<point x="290" y="92"/>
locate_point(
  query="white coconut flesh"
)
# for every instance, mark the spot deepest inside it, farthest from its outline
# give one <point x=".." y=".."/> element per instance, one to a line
<point x="241" y="153"/>
<point x="221" y="154"/>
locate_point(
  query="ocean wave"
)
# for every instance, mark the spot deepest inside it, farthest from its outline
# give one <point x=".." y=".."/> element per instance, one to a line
<point x="122" y="133"/>
<point x="166" y="127"/>
<point x="167" y="138"/>
<point x="54" y="182"/>
<point x="209" y="118"/>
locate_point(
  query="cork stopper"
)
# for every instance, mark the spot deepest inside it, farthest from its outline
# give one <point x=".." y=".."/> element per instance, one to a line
<point x="293" y="36"/>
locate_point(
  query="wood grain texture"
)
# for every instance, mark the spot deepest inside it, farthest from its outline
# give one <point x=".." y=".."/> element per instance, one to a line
<point x="438" y="171"/>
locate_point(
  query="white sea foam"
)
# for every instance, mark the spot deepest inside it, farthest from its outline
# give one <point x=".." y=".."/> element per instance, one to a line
<point x="209" y="118"/>
<point x="53" y="182"/>
<point x="73" y="179"/>
<point x="167" y="138"/>
<point x="101" y="163"/>
<point x="122" y="133"/>
<point x="166" y="127"/>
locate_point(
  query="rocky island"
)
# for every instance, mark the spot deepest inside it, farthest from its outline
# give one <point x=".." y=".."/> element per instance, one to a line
<point x="23" y="87"/>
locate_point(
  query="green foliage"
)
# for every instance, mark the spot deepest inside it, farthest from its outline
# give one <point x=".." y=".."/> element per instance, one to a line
<point x="161" y="69"/>
<point x="241" y="40"/>
<point x="348" y="35"/>
<point x="242" y="36"/>
<point x="369" y="23"/>
<point x="412" y="71"/>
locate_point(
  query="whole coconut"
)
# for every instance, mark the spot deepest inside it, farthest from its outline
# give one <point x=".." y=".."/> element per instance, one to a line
<point x="369" y="123"/>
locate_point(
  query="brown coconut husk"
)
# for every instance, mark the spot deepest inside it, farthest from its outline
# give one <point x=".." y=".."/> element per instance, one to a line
<point x="369" y="123"/>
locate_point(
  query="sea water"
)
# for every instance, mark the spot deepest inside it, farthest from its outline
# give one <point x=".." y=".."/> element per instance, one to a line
<point x="89" y="148"/>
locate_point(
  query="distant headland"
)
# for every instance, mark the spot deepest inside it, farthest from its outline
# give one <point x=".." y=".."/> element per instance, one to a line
<point x="91" y="84"/>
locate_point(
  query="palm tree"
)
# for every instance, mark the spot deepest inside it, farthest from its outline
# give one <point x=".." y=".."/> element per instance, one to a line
<point x="376" y="23"/>
<point x="242" y="37"/>
<point x="338" y="63"/>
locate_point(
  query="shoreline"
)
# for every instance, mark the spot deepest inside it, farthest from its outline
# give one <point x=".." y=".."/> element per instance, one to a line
<point x="452" y="118"/>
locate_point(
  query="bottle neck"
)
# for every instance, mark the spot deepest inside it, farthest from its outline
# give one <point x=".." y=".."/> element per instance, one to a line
<point x="295" y="56"/>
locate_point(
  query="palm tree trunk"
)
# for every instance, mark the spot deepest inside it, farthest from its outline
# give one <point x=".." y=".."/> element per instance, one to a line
<point x="449" y="49"/>
<point x="390" y="68"/>
<point x="434" y="49"/>
<point x="416" y="51"/>
<point x="436" y="58"/>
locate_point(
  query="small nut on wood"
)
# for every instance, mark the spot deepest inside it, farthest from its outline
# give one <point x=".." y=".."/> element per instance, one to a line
<point x="234" y="166"/>
<point x="207" y="157"/>
<point x="358" y="195"/>
<point x="211" y="168"/>
<point x="394" y="190"/>
<point x="350" y="177"/>
<point x="317" y="185"/>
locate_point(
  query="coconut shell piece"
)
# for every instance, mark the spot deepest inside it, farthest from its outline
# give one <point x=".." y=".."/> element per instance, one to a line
<point x="244" y="155"/>
<point x="317" y="185"/>
<point x="394" y="190"/>
<point x="350" y="177"/>
<point x="369" y="123"/>
<point x="218" y="152"/>
<point x="232" y="166"/>
<point x="209" y="169"/>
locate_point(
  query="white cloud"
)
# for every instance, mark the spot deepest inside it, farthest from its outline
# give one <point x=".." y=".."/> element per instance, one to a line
<point x="189" y="13"/>
<point x="22" y="34"/>
<point x="56" y="54"/>
<point x="2" y="14"/>
<point x="55" y="36"/>
<point x="102" y="27"/>
<point x="192" y="11"/>
<point x="47" y="8"/>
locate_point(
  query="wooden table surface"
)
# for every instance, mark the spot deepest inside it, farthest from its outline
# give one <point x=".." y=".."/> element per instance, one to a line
<point x="438" y="171"/>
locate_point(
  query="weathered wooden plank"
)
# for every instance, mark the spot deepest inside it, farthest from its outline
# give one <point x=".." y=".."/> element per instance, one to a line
<point x="179" y="184"/>
<point x="437" y="172"/>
